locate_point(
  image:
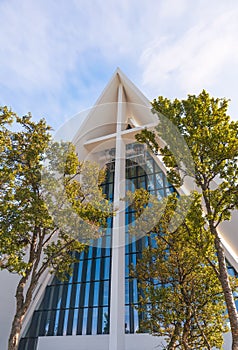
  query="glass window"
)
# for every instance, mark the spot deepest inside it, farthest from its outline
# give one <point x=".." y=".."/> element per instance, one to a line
<point x="127" y="265"/>
<point x="89" y="268"/>
<point x="56" y="322"/>
<point x="106" y="319"/>
<point x="127" y="291"/>
<point x="150" y="177"/>
<point x="136" y="320"/>
<point x="151" y="183"/>
<point x="99" y="245"/>
<point x="86" y="296"/>
<point x="78" y="285"/>
<point x="90" y="252"/>
<point x="68" y="295"/>
<point x="107" y="268"/>
<point x="169" y="190"/>
<point x="94" y="320"/>
<point x="130" y="185"/>
<point x="68" y="304"/>
<point x="135" y="291"/>
<point x="106" y="293"/>
<point x="80" y="271"/>
<point x="159" y="180"/>
<point x="84" y="328"/>
<point x="142" y="182"/>
<point x="75" y="321"/>
<point x="149" y="166"/>
<point x="66" y="315"/>
<point x="96" y="293"/>
<point x="97" y="269"/>
<point x="127" y="320"/>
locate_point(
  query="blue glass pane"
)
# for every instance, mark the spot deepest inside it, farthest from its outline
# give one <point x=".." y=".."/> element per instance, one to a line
<point x="169" y="190"/>
<point x="159" y="180"/>
<point x="106" y="293"/>
<point x="56" y="321"/>
<point x="90" y="252"/>
<point x="127" y="319"/>
<point x="94" y="321"/>
<point x="96" y="293"/>
<point x="77" y="295"/>
<point x="106" y="320"/>
<point x="75" y="321"/>
<point x="107" y="268"/>
<point x="89" y="268"/>
<point x="97" y="268"/>
<point x="84" y="328"/>
<point x="66" y="315"/>
<point x="86" y="297"/>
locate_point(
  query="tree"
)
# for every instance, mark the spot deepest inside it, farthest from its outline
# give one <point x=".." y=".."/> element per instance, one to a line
<point x="46" y="213"/>
<point x="212" y="139"/>
<point x="181" y="296"/>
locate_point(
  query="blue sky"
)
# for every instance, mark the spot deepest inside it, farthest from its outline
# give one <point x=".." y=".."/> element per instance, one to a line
<point x="56" y="56"/>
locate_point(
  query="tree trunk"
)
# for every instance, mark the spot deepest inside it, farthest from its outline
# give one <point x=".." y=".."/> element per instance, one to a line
<point x="21" y="309"/>
<point x="174" y="337"/>
<point x="14" y="337"/>
<point x="224" y="277"/>
<point x="24" y="297"/>
<point x="186" y="331"/>
<point x="172" y="344"/>
<point x="228" y="295"/>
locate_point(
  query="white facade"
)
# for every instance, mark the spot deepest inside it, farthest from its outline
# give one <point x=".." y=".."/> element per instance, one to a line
<point x="106" y="127"/>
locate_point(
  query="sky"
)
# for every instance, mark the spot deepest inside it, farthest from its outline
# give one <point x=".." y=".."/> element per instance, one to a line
<point x="56" y="56"/>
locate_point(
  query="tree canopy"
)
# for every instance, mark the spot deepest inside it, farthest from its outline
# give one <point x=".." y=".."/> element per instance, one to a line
<point x="180" y="293"/>
<point x="46" y="212"/>
<point x="212" y="138"/>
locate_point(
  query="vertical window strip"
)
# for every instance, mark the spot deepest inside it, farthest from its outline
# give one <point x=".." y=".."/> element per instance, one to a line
<point x="149" y="176"/>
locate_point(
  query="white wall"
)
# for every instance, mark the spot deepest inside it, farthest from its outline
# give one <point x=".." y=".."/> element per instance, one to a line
<point x="7" y="305"/>
<point x="227" y="341"/>
<point x="81" y="342"/>
<point x="101" y="342"/>
<point x="98" y="342"/>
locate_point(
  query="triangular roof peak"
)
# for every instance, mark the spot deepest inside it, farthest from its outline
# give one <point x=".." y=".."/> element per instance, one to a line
<point x="132" y="93"/>
<point x="102" y="117"/>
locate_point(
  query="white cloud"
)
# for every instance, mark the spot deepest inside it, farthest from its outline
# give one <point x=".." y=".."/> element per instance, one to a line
<point x="197" y="59"/>
<point x="56" y="56"/>
<point x="53" y="47"/>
